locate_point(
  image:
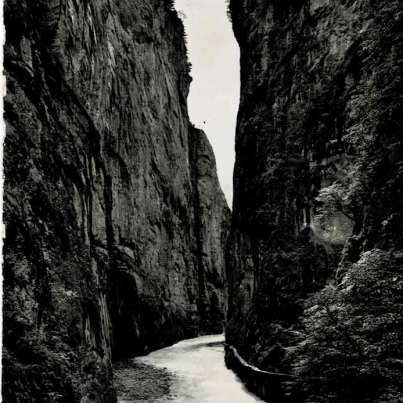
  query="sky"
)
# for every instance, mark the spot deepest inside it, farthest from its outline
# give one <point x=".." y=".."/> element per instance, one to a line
<point x="214" y="93"/>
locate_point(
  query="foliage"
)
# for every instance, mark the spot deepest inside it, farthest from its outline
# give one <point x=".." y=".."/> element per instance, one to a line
<point x="348" y="198"/>
<point x="229" y="13"/>
<point x="353" y="333"/>
<point x="182" y="15"/>
<point x="170" y="4"/>
<point x="334" y="199"/>
<point x="377" y="122"/>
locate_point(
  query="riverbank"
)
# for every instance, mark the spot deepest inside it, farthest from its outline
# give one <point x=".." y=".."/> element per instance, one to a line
<point x="191" y="371"/>
<point x="136" y="382"/>
<point x="270" y="386"/>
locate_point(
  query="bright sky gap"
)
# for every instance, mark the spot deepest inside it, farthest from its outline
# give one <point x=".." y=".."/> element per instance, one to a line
<point x="214" y="93"/>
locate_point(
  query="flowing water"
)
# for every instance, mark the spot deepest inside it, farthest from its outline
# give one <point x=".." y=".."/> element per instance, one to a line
<point x="201" y="375"/>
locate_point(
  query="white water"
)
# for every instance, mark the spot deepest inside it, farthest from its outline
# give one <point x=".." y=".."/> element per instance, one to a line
<point x="201" y="374"/>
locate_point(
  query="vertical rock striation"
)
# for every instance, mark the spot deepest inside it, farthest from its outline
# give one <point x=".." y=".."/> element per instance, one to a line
<point x="318" y="163"/>
<point x="115" y="220"/>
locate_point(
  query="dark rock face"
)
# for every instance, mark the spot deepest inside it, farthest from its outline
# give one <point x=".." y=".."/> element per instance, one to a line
<point x="321" y="93"/>
<point x="115" y="220"/>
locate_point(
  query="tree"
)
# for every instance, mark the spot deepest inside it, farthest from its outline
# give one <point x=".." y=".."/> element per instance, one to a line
<point x="353" y="334"/>
<point x="335" y="199"/>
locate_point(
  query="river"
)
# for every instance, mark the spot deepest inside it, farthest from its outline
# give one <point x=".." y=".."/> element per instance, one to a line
<point x="200" y="373"/>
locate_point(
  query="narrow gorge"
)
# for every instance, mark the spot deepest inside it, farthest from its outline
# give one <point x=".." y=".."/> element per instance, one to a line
<point x="115" y="221"/>
<point x="119" y="240"/>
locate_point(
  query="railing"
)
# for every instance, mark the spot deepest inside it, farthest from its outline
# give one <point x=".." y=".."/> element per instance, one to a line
<point x="270" y="386"/>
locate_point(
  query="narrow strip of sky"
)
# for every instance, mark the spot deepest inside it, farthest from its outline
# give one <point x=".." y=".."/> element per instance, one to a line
<point x="214" y="93"/>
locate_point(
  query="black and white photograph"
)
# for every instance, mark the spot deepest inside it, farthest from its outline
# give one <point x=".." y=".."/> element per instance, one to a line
<point x="202" y="201"/>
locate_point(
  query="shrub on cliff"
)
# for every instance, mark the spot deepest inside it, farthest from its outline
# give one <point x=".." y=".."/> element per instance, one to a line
<point x="353" y="334"/>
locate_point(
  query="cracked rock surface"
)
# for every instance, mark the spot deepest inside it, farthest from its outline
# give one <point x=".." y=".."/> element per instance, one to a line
<point x="115" y="220"/>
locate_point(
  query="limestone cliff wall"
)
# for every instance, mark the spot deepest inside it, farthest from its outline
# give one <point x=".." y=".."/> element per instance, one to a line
<point x="319" y="116"/>
<point x="115" y="220"/>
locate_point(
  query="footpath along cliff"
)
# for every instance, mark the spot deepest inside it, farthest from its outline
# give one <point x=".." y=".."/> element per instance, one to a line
<point x="315" y="252"/>
<point x="115" y="220"/>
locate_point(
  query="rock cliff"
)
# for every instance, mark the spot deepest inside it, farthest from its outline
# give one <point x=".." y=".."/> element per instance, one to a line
<point x="115" y="220"/>
<point x="316" y="183"/>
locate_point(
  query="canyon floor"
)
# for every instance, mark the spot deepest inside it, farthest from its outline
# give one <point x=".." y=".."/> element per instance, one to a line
<point x="191" y="371"/>
<point x="137" y="382"/>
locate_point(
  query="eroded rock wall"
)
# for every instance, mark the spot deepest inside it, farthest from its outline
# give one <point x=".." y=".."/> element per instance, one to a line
<point x="320" y="96"/>
<point x="212" y="224"/>
<point x="115" y="220"/>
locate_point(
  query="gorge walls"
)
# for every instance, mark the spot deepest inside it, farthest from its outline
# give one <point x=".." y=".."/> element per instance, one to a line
<point x="115" y="220"/>
<point x="317" y="216"/>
